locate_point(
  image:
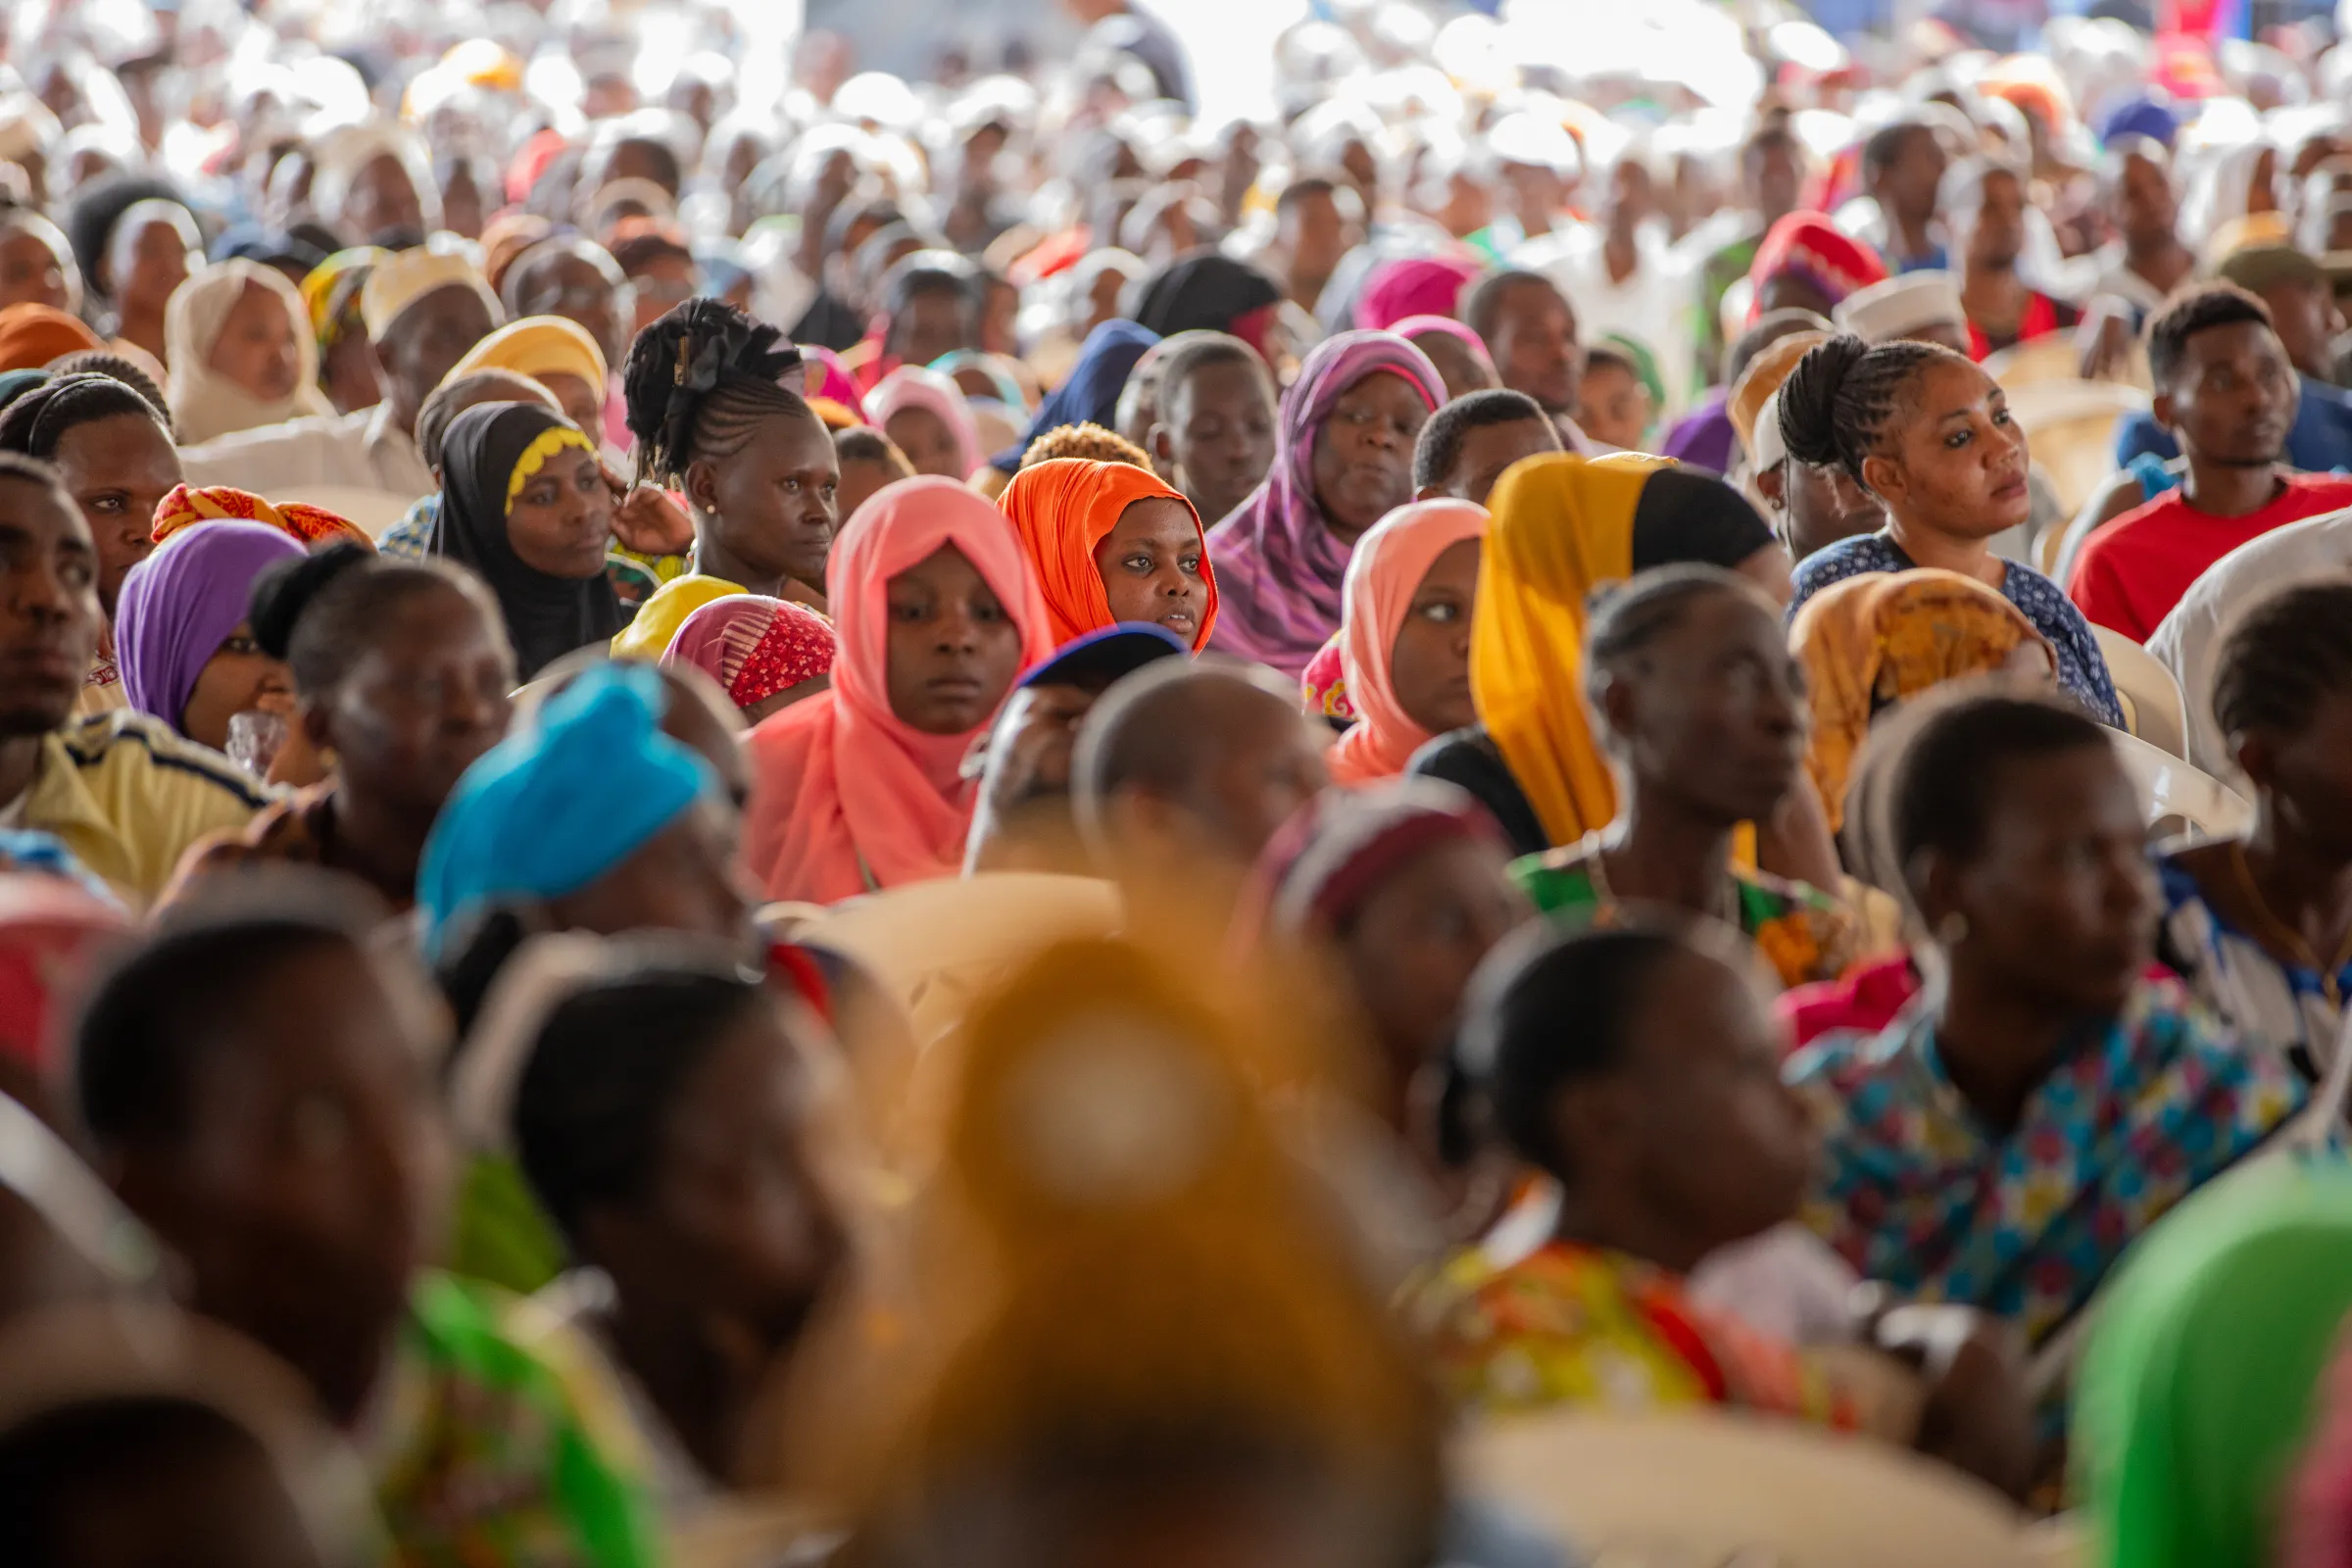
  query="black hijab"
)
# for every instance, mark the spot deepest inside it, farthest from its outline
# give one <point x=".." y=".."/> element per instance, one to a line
<point x="547" y="617"/>
<point x="1206" y="291"/>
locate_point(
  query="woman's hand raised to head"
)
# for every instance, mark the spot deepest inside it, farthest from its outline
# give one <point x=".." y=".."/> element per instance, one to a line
<point x="647" y="520"/>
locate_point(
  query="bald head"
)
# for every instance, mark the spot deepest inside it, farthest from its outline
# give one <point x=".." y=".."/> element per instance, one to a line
<point x="1192" y="759"/>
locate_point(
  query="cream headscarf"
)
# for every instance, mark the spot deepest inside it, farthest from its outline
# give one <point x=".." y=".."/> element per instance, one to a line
<point x="205" y="403"/>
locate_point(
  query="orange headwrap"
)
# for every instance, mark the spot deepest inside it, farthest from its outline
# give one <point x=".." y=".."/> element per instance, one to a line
<point x="313" y="526"/>
<point x="31" y="335"/>
<point x="1061" y="511"/>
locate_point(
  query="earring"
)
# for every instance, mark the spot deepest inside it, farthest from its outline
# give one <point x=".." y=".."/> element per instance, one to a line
<point x="1952" y="930"/>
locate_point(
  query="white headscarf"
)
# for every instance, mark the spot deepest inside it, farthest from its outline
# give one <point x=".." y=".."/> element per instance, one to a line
<point x="205" y="403"/>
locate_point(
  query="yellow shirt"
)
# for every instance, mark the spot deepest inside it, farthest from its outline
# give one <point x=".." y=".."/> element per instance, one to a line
<point x="128" y="796"/>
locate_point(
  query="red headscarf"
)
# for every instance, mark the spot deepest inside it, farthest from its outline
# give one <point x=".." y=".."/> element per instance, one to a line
<point x="1061" y="511"/>
<point x="1816" y="250"/>
<point x="849" y="796"/>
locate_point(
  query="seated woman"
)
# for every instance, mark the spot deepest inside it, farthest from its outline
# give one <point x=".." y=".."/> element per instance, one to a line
<point x="1637" y="1068"/>
<point x="1704" y="712"/>
<point x="924" y="414"/>
<point x="861" y="787"/>
<point x="400" y="673"/>
<point x="1560" y="527"/>
<point x="1406" y="882"/>
<point x="1404" y="636"/>
<point x="256" y="1079"/>
<point x="242" y="353"/>
<point x="1342" y="461"/>
<point x="183" y="641"/>
<point x="1110" y="543"/>
<point x="755" y="464"/>
<point x="2259" y="925"/>
<point x="2002" y="1145"/>
<point x="525" y="505"/>
<point x="764" y="654"/>
<point x="670" y="1123"/>
<point x="1930" y="435"/>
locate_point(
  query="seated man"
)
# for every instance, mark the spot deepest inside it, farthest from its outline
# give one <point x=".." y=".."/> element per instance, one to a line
<point x="2226" y="389"/>
<point x="119" y="789"/>
<point x="1467" y="444"/>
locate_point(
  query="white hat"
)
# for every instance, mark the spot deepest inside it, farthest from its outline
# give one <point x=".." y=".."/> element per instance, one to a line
<point x="1903" y="306"/>
<point x="405" y="278"/>
<point x="1765" y="445"/>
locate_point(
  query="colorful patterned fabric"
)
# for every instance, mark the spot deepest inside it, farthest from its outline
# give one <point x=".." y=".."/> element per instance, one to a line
<point x="1570" y="1324"/>
<point x="2281" y="1006"/>
<point x="483" y="1458"/>
<point x="1807" y="245"/>
<point x="2081" y="668"/>
<point x="1323" y="685"/>
<point x="412" y="537"/>
<point x="754" y="646"/>
<point x="1915" y="1190"/>
<point x="1804" y="933"/>
<point x="187" y="504"/>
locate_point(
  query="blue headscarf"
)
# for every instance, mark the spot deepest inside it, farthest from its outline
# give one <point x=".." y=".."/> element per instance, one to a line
<point x="1091" y="392"/>
<point x="2140" y="117"/>
<point x="547" y="810"/>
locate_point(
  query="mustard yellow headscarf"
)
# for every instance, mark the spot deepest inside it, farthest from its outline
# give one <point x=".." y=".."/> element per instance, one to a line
<point x="1561" y="526"/>
<point x="536" y="346"/>
<point x="1870" y="641"/>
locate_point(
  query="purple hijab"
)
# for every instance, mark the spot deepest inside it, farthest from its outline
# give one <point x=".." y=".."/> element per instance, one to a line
<point x="1279" y="565"/>
<point x="180" y="605"/>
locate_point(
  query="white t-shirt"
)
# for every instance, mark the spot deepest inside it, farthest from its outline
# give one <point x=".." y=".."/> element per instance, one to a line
<point x="1653" y="306"/>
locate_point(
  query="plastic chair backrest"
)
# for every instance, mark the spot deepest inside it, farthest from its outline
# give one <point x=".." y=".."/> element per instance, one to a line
<point x="2160" y="716"/>
<point x="2177" y="796"/>
<point x="1711" y="1486"/>
<point x="2051" y="358"/>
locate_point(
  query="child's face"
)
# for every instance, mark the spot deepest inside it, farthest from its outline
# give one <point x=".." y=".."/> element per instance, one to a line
<point x="1614" y="406"/>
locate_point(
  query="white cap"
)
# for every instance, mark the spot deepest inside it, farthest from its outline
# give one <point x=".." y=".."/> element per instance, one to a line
<point x="1901" y="305"/>
<point x="1765" y="447"/>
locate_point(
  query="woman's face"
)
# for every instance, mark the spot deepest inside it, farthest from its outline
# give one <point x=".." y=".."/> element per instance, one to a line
<point x="29" y="272"/>
<point x="1462" y="371"/>
<point x="421" y="704"/>
<point x="255" y="348"/>
<point x="561" y="521"/>
<point x="771" y="505"/>
<point x="1714" y="713"/>
<point x="2059" y="899"/>
<point x="158" y="263"/>
<point x="119" y="469"/>
<point x="1956" y="461"/>
<point x="1415" y="943"/>
<point x="309" y="1185"/>
<point x="1363" y="456"/>
<point x="681" y="879"/>
<point x="583" y="404"/>
<point x="953" y="650"/>
<point x="662" y="285"/>
<point x="1428" y="662"/>
<point x="927" y="442"/>
<point x="238" y="678"/>
<point x="1150" y="566"/>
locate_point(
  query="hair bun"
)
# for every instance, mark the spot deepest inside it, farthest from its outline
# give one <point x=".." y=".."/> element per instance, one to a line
<point x="1809" y="398"/>
<point x="683" y="357"/>
<point x="285" y="590"/>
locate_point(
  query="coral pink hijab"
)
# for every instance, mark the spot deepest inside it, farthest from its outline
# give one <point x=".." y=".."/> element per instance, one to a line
<point x="1385" y="573"/>
<point x="848" y="798"/>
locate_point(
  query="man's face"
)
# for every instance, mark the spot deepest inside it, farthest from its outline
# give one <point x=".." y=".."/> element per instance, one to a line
<point x="48" y="606"/>
<point x="1535" y="346"/>
<point x="1997" y="235"/>
<point x="2234" y="396"/>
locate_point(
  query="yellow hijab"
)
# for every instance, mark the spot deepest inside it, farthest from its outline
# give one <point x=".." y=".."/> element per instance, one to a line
<point x="659" y="619"/>
<point x="1561" y="526"/>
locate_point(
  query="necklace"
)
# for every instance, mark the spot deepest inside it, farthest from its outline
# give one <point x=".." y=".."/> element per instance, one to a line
<point x="2286" y="936"/>
<point x="1727" y="909"/>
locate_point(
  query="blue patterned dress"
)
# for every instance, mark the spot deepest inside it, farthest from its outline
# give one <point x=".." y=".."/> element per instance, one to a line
<point x="2081" y="669"/>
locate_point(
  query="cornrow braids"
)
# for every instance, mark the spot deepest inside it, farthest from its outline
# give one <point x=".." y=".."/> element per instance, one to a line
<point x="38" y="420"/>
<point x="1837" y="401"/>
<point x="1630" y="617"/>
<point x="105" y="362"/>
<point x="698" y="383"/>
<point x="2292" y="649"/>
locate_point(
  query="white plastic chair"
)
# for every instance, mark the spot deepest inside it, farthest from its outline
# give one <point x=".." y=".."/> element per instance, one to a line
<point x="1686" y="1488"/>
<point x="2153" y="707"/>
<point x="2070" y="428"/>
<point x="2177" y="796"/>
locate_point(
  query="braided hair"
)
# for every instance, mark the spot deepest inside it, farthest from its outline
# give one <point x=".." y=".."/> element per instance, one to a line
<point x="2290" y="651"/>
<point x="698" y="383"/>
<point x="37" y="421"/>
<point x="1836" y="403"/>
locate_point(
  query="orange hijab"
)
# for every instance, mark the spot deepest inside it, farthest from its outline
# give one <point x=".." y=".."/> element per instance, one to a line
<point x="1382" y="575"/>
<point x="31" y="335"/>
<point x="847" y="797"/>
<point x="1061" y="511"/>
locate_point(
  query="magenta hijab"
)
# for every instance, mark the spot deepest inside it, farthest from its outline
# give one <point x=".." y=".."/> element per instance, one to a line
<point x="1413" y="286"/>
<point x="1279" y="565"/>
<point x="180" y="605"/>
<point x="827" y="379"/>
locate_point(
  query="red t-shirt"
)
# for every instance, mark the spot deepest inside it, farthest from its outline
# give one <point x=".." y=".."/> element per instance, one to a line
<point x="2134" y="568"/>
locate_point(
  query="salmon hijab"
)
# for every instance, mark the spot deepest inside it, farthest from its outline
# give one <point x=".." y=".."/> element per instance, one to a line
<point x="1869" y="642"/>
<point x="1061" y="510"/>
<point x="1381" y="579"/>
<point x="848" y="796"/>
<point x="1560" y="526"/>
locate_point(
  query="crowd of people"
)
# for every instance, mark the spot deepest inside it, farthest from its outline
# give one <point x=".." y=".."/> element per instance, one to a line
<point x="751" y="813"/>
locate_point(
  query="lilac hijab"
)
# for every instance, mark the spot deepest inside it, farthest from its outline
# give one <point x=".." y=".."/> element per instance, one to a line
<point x="1279" y="565"/>
<point x="180" y="605"/>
